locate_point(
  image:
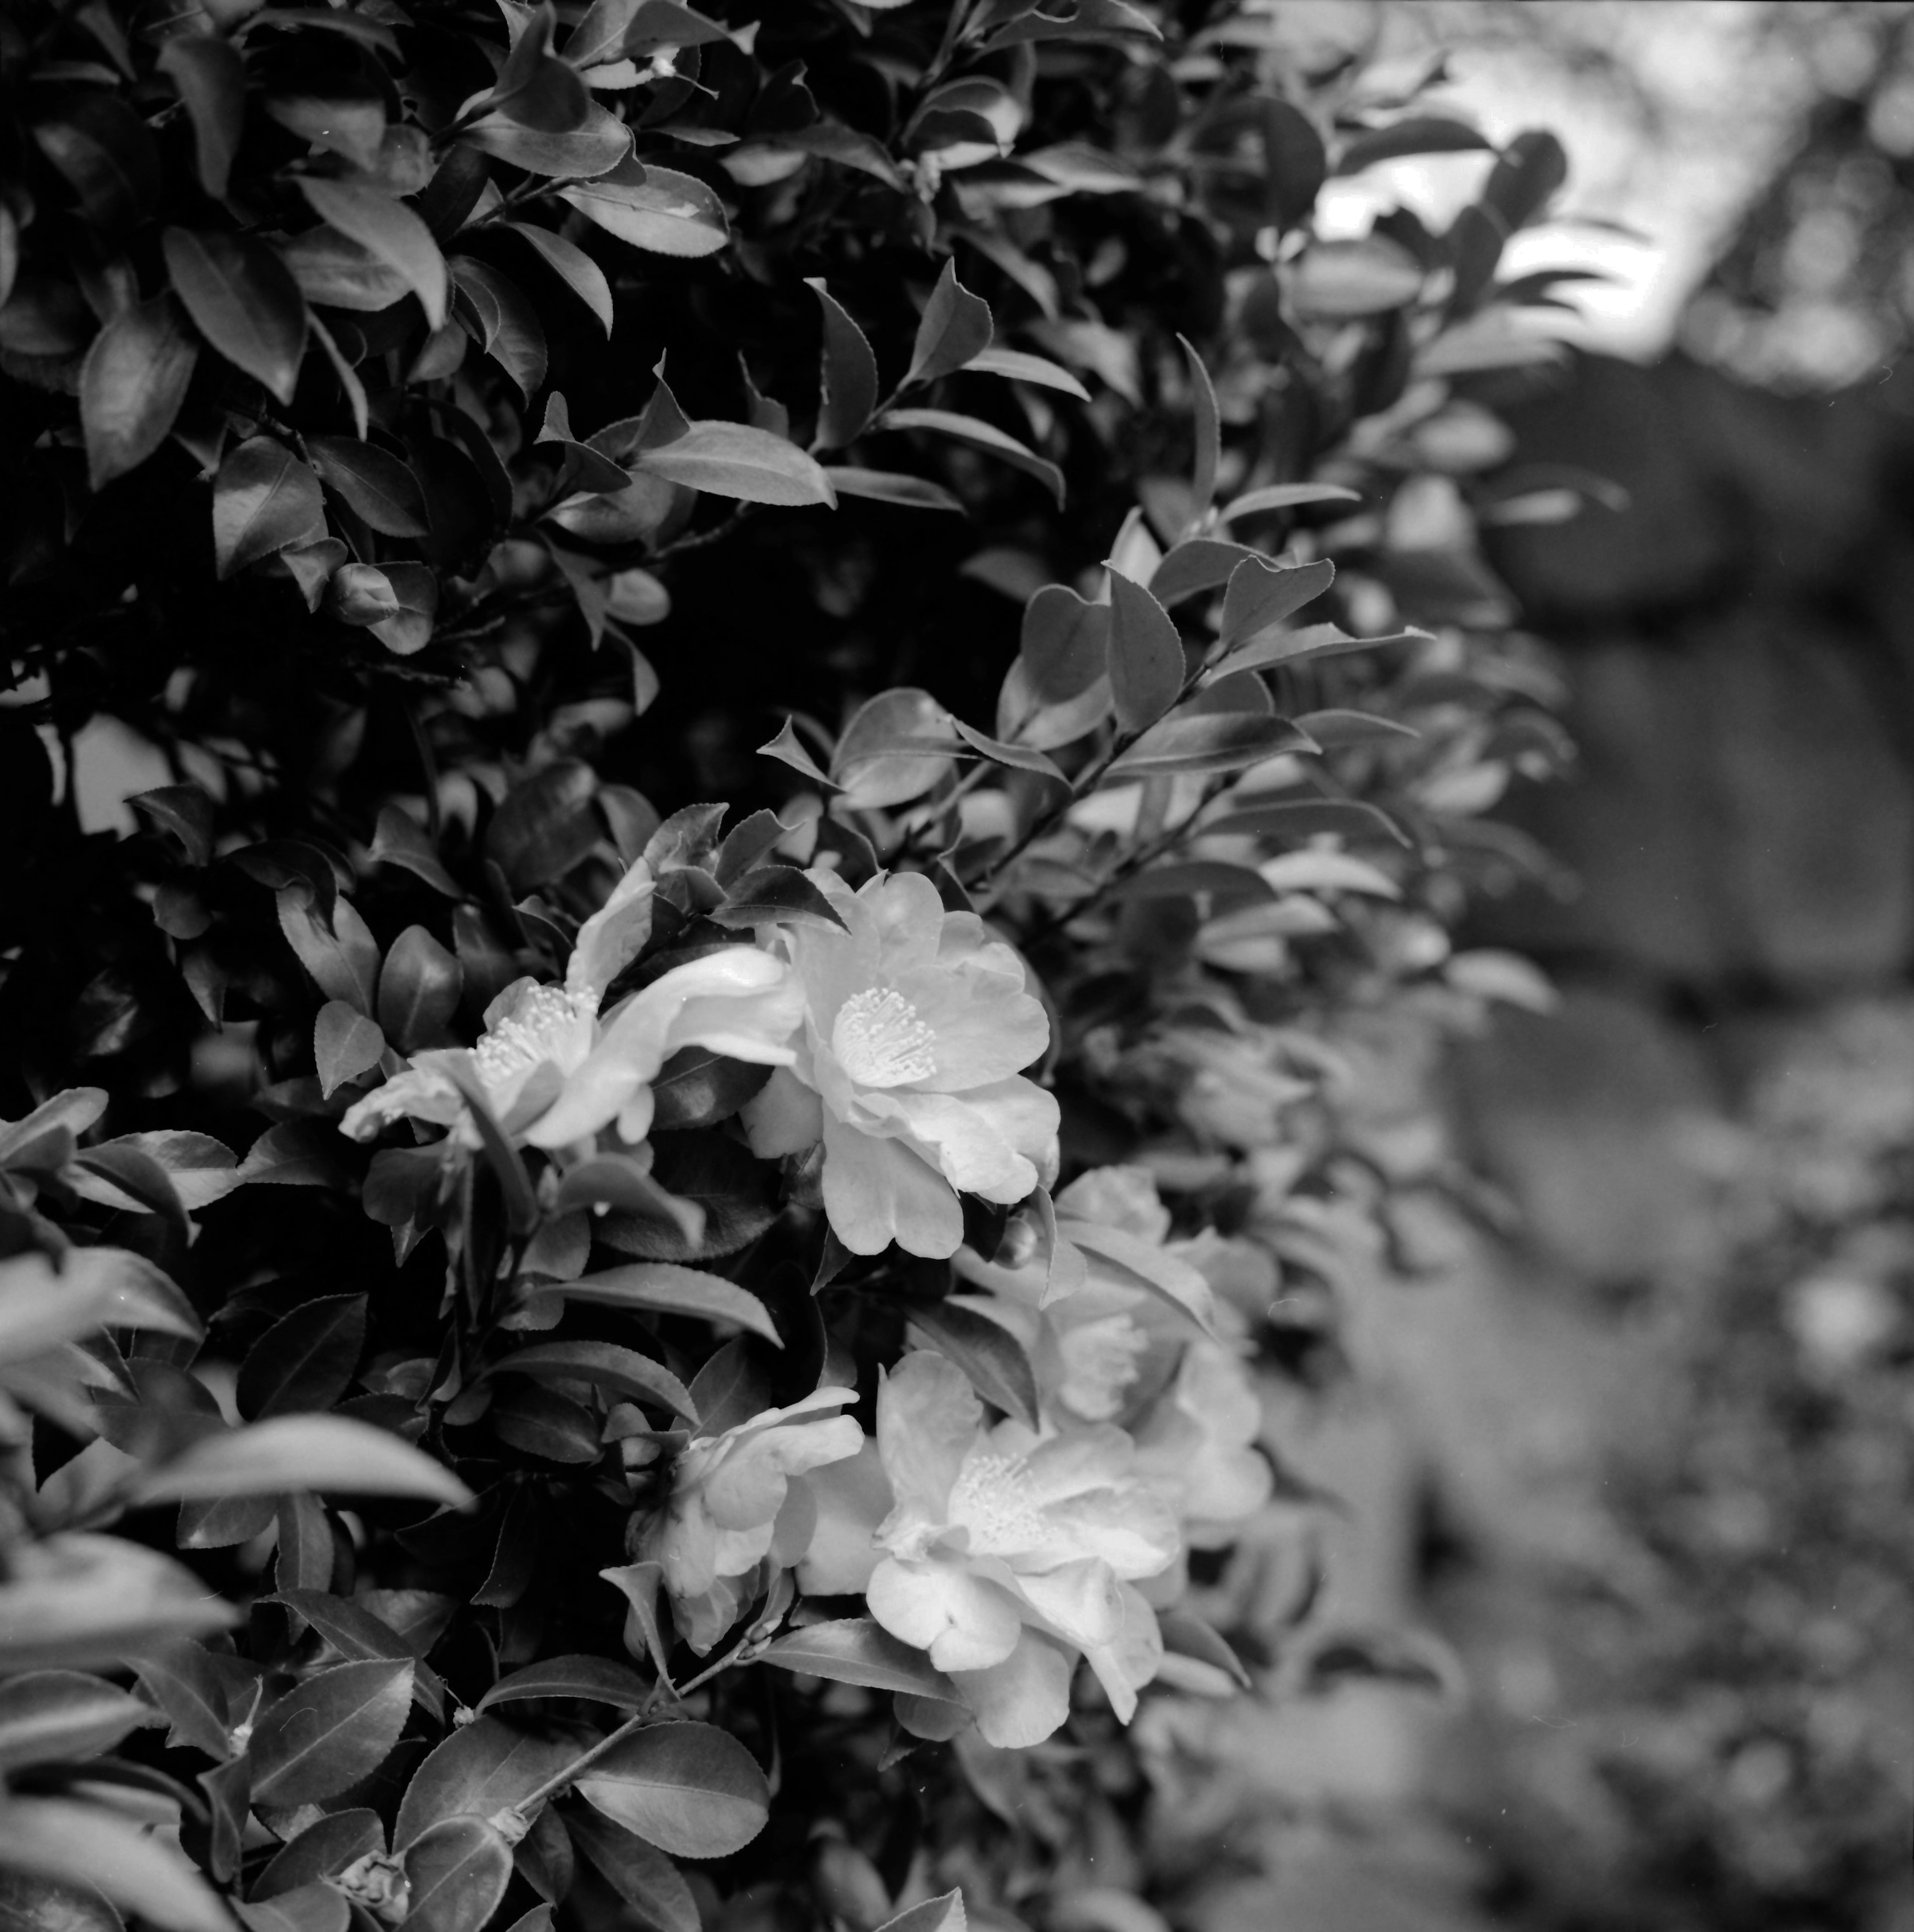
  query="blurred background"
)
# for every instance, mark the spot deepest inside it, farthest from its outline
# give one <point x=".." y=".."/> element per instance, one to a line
<point x="1644" y="1460"/>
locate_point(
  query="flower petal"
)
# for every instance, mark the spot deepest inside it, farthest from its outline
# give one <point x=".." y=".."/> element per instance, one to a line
<point x="614" y="935"/>
<point x="420" y="1093"/>
<point x="936" y="1604"/>
<point x="1081" y="1602"/>
<point x="1124" y="1666"/>
<point x="853" y="1497"/>
<point x="783" y="1117"/>
<point x="878" y="1190"/>
<point x="929" y="1419"/>
<point x="989" y="1141"/>
<point x="1025" y="1699"/>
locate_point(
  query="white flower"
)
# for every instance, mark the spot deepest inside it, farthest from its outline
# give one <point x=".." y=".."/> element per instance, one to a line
<point x="554" y="1071"/>
<point x="916" y="1023"/>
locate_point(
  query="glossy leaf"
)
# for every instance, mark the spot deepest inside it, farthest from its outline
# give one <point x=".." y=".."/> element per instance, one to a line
<point x="212" y="80"/>
<point x="884" y="486"/>
<point x="1200" y="564"/>
<point x="1304" y="818"/>
<point x="1018" y="366"/>
<point x="956" y="326"/>
<point x="188" y="1684"/>
<point x="243" y="299"/>
<point x="330" y="1453"/>
<point x="944" y="1913"/>
<point x="848" y="385"/>
<point x="665" y="1289"/>
<point x="1147" y="666"/>
<point x="690" y="1789"/>
<point x="734" y="459"/>
<point x="477" y="1772"/>
<point x="1211" y="742"/>
<point x="327" y="1846"/>
<point x="654" y="208"/>
<point x="502" y="320"/>
<point x="982" y="435"/>
<point x="264" y="500"/>
<point x="1208" y="430"/>
<point x="420" y="985"/>
<point x="377" y="484"/>
<point x="599" y="1680"/>
<point x="1285" y="496"/>
<point x="93" y="1849"/>
<point x="63" y="1715"/>
<point x="772" y="893"/>
<point x="456" y="1872"/>
<point x="605" y="1365"/>
<point x="1262" y="594"/>
<point x="989" y="1354"/>
<point x="131" y="385"/>
<point x="572" y="265"/>
<point x="345" y="1044"/>
<point x="305" y="1360"/>
<point x="645" y="1879"/>
<point x="1413" y="134"/>
<point x="858" y="1650"/>
<point x="733" y="1194"/>
<point x="329" y="1732"/>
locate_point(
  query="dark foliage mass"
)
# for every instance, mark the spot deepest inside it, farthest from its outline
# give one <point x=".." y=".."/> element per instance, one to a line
<point x="454" y="438"/>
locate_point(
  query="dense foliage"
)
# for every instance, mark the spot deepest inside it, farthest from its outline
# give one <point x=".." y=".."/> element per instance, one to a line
<point x="792" y="1282"/>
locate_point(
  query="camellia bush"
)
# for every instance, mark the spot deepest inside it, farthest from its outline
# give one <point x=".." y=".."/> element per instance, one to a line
<point x="599" y="1329"/>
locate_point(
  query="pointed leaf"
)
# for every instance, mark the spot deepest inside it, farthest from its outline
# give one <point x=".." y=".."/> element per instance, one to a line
<point x="690" y="1789"/>
<point x="477" y="1772"/>
<point x="212" y="79"/>
<point x="184" y="1680"/>
<point x="989" y="1354"/>
<point x="50" y="1714"/>
<point x="956" y="326"/>
<point x="885" y="486"/>
<point x="666" y="1288"/>
<point x="1146" y="654"/>
<point x="329" y="1732"/>
<point x="1065" y="646"/>
<point x="1208" y="431"/>
<point x="1262" y="594"/>
<point x="264" y="499"/>
<point x="305" y="1360"/>
<point x="734" y="460"/>
<point x="326" y="1847"/>
<point x="647" y="1881"/>
<point x="1021" y="757"/>
<point x="506" y="326"/>
<point x="787" y="750"/>
<point x="858" y="1650"/>
<point x="375" y="483"/>
<point x="573" y="267"/>
<point x="1020" y="368"/>
<point x="244" y="301"/>
<point x="420" y="985"/>
<point x="653" y="208"/>
<point x="1200" y="564"/>
<point x="331" y="1452"/>
<point x="1286" y="496"/>
<point x="131" y="385"/>
<point x="604" y="1364"/>
<point x="601" y="1680"/>
<point x="1415" y="134"/>
<point x="388" y="231"/>
<point x="848" y="382"/>
<point x="772" y="893"/>
<point x="979" y="436"/>
<point x="595" y="148"/>
<point x="1305" y="818"/>
<point x="943" y="1914"/>
<point x="345" y="1044"/>
<point x="1217" y="741"/>
<point x="457" y="1872"/>
<point x="89" y="1848"/>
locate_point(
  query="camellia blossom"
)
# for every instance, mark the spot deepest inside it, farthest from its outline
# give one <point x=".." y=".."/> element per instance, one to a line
<point x="916" y="1023"/>
<point x="736" y="1497"/>
<point x="554" y="1071"/>
<point x="1165" y="1361"/>
<point x="1003" y="1554"/>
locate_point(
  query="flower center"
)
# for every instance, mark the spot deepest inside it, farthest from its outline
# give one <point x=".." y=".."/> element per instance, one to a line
<point x="991" y="1499"/>
<point x="542" y="1026"/>
<point x="879" y="1041"/>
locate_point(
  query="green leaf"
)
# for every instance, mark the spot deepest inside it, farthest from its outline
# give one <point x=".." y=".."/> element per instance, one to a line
<point x="1065" y="644"/>
<point x="535" y="90"/>
<point x="1200" y="564"/>
<point x="1263" y="650"/>
<point x="324" y="1848"/>
<point x="420" y="985"/>
<point x="107" y="154"/>
<point x="545" y="826"/>
<point x="305" y="1360"/>
<point x="1190" y="877"/>
<point x="77" y="1599"/>
<point x="1208" y="430"/>
<point x="601" y="1680"/>
<point x="955" y="327"/>
<point x="186" y="811"/>
<point x="131" y="385"/>
<point x="600" y="146"/>
<point x="1285" y="496"/>
<point x="1531" y="168"/>
<point x="604" y="1365"/>
<point x="572" y="265"/>
<point x="211" y="77"/>
<point x="388" y="232"/>
<point x="329" y="1452"/>
<point x="1415" y="134"/>
<point x="858" y="1650"/>
<point x="885" y="486"/>
<point x="1222" y="741"/>
<point x="478" y="1771"/>
<point x="50" y="1715"/>
<point x="457" y="1872"/>
<point x="1333" y="730"/>
<point x="1018" y="366"/>
<point x="343" y="961"/>
<point x="1262" y="594"/>
<point x="243" y="299"/>
<point x="345" y="1044"/>
<point x="1187" y="1635"/>
<point x="993" y="1358"/>
<point x="1019" y="758"/>
<point x="1306" y="818"/>
<point x="645" y="1879"/>
<point x="375" y="483"/>
<point x="264" y="500"/>
<point x="652" y="208"/>
<point x="335" y="271"/>
<point x="1146" y="654"/>
<point x="847" y="383"/>
<point x="944" y="1913"/>
<point x="895" y="748"/>
<point x="772" y="893"/>
<point x="498" y="314"/>
<point x="666" y="1288"/>
<point x="788" y="751"/>
<point x="94" y="1849"/>
<point x="734" y="460"/>
<point x="982" y="435"/>
<point x="696" y="1087"/>
<point x="690" y="1789"/>
<point x="329" y="1732"/>
<point x="1346" y="280"/>
<point x="357" y="1634"/>
<point x="735" y="1194"/>
<point x="417" y="588"/>
<point x="185" y="1681"/>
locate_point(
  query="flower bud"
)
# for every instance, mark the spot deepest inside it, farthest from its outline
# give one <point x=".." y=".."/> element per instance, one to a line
<point x="362" y="594"/>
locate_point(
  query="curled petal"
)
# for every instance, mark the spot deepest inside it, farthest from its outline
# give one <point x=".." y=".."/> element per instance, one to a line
<point x="1024" y="1699"/>
<point x="878" y="1191"/>
<point x="783" y="1117"/>
<point x="421" y="1092"/>
<point x="614" y="935"/>
<point x="936" y="1605"/>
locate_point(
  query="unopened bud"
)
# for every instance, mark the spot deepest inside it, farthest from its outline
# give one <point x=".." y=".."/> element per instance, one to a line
<point x="362" y="594"/>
